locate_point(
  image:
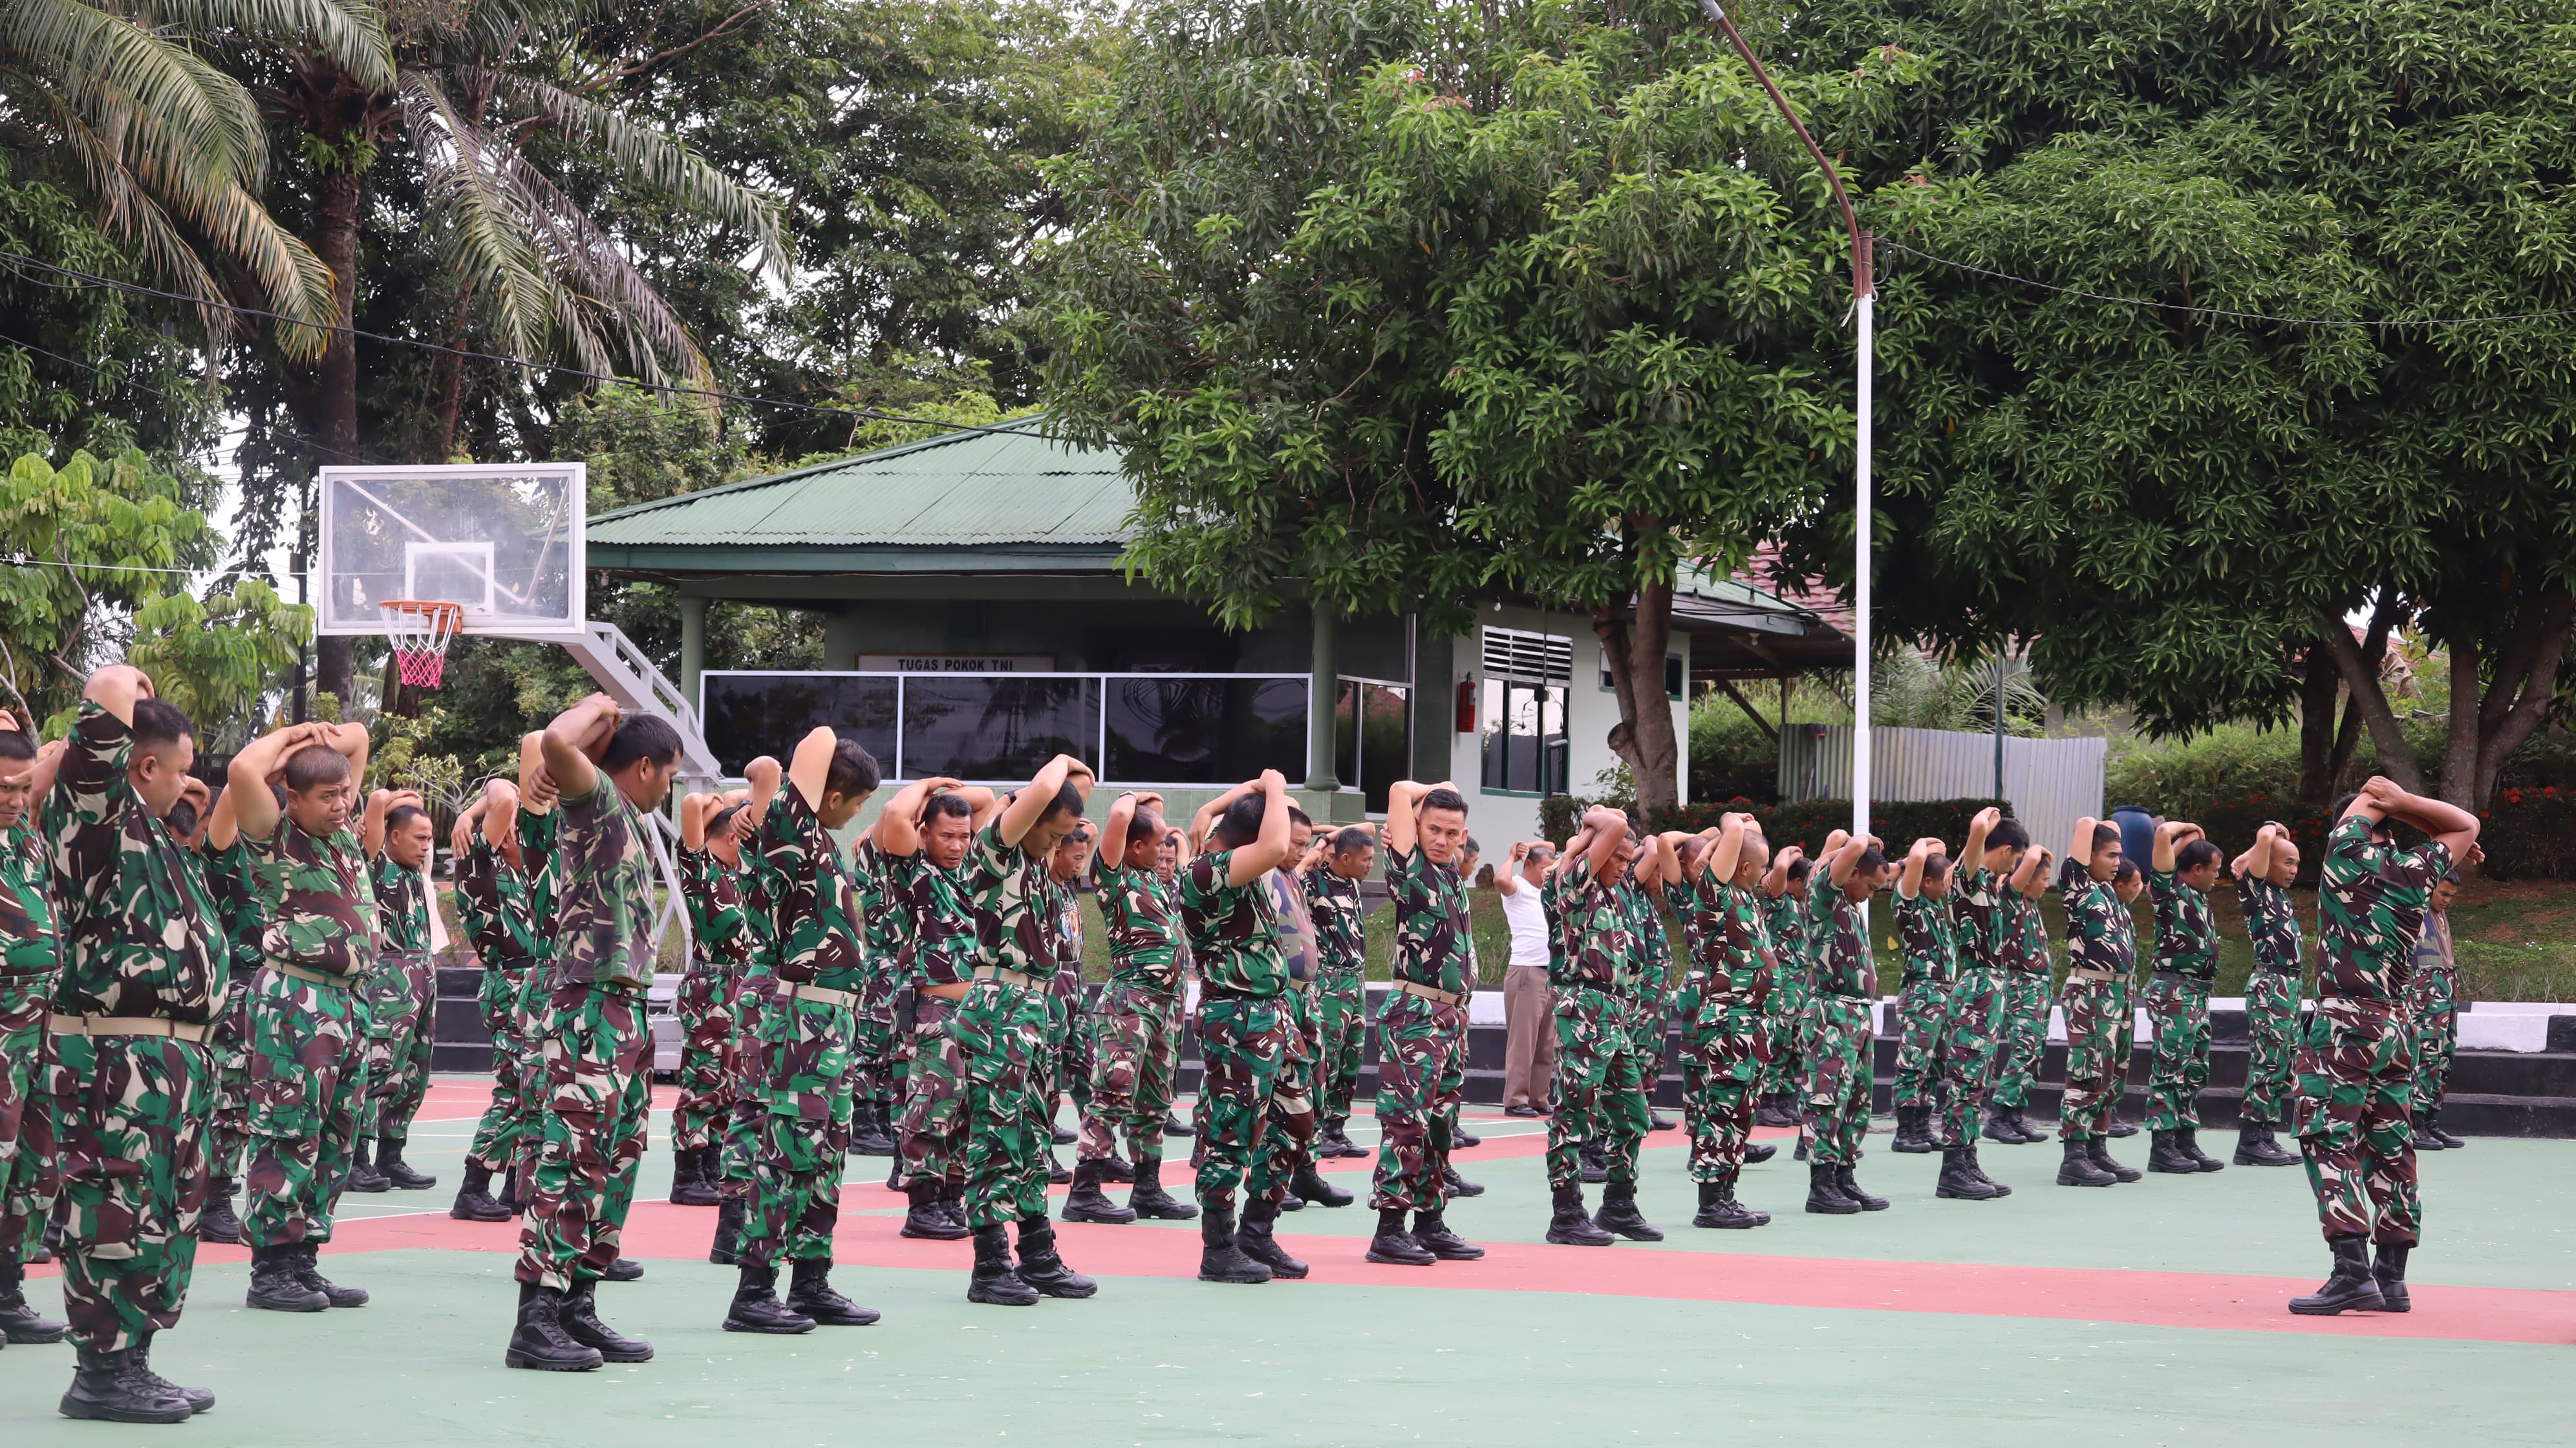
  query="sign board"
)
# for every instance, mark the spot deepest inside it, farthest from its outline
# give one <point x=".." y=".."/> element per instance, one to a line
<point x="956" y="663"/>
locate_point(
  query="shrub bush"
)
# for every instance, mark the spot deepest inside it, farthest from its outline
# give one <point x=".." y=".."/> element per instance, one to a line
<point x="1806" y="823"/>
<point x="2528" y="834"/>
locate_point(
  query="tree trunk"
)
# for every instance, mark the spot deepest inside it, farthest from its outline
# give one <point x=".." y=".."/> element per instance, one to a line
<point x="2485" y="729"/>
<point x="1644" y="736"/>
<point x="2321" y="687"/>
<point x="331" y="402"/>
<point x="2361" y="676"/>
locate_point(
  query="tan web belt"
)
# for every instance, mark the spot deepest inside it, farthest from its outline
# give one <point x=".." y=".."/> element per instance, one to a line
<point x="2077" y="972"/>
<point x="1020" y="978"/>
<point x="1444" y="997"/>
<point x="788" y="992"/>
<point x="297" y="972"/>
<point x="127" y="1026"/>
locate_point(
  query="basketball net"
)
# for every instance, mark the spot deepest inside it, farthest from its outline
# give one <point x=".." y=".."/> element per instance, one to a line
<point x="420" y="631"/>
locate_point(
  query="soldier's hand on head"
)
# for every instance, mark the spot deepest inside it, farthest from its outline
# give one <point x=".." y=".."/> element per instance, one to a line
<point x="1273" y="781"/>
<point x="9" y="724"/>
<point x="1988" y="818"/>
<point x="745" y="826"/>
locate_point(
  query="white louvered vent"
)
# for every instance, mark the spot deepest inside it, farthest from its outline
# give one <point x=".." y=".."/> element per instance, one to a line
<point x="1536" y="657"/>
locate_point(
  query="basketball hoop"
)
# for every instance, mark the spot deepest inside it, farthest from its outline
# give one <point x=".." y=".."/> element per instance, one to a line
<point x="420" y="630"/>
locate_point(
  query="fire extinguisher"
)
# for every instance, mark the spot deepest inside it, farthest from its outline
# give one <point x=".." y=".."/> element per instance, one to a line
<point x="1466" y="706"/>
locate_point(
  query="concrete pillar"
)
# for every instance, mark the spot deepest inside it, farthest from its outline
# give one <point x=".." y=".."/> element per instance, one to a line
<point x="1435" y="710"/>
<point x="693" y="646"/>
<point x="1321" y="698"/>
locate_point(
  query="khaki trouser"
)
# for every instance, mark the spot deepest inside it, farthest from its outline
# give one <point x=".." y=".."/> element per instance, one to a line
<point x="1529" y="1042"/>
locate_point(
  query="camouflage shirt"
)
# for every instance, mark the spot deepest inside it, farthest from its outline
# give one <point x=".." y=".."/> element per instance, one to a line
<point x="402" y="907"/>
<point x="1928" y="940"/>
<point x="1976" y="898"/>
<point x="2371" y="902"/>
<point x="321" y="901"/>
<point x="2101" y="934"/>
<point x="2186" y="935"/>
<point x="2022" y="934"/>
<point x="492" y="908"/>
<point x="26" y="916"/>
<point x="886" y="923"/>
<point x="2271" y="922"/>
<point x="1339" y="932"/>
<point x="1008" y="888"/>
<point x="232" y="882"/>
<point x="605" y="935"/>
<point x="541" y="871"/>
<point x="137" y="931"/>
<point x="1745" y="966"/>
<point x="1144" y="927"/>
<point x="1233" y="930"/>
<point x="1790" y="929"/>
<point x="815" y="908"/>
<point x="718" y="928"/>
<point x="1699" y="902"/>
<point x="1431" y="923"/>
<point x="1652" y="966"/>
<point x="939" y="944"/>
<point x="1841" y="964"/>
<point x="1596" y="926"/>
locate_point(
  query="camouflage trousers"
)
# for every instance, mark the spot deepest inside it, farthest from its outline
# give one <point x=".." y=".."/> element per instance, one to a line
<point x="26" y="1178"/>
<point x="932" y="1142"/>
<point x="1341" y="1035"/>
<point x="806" y="1063"/>
<point x="1132" y="1034"/>
<point x="307" y="1073"/>
<point x="1421" y="1074"/>
<point x="495" y="1146"/>
<point x="1600" y="1088"/>
<point x="1067" y="1068"/>
<point x="2178" y="1010"/>
<point x="228" y="1128"/>
<point x="709" y="1061"/>
<point x="535" y="1015"/>
<point x="2023" y="1038"/>
<point x="123" y="1121"/>
<point x="748" y="1114"/>
<point x="2098" y="1036"/>
<point x="1254" y="1110"/>
<point x="1785" y="1009"/>
<point x="1725" y="1046"/>
<point x="1971" y="1035"/>
<point x="1922" y="1015"/>
<point x="2272" y="1043"/>
<point x="1002" y="1035"/>
<point x="1834" y="1037"/>
<point x="597" y="1055"/>
<point x="2354" y="1117"/>
<point x="872" y="1049"/>
<point x="2433" y="1005"/>
<point x="402" y="1002"/>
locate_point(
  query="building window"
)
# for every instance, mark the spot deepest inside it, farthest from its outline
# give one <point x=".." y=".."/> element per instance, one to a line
<point x="1523" y="713"/>
<point x="1372" y="738"/>
<point x="1673" y="671"/>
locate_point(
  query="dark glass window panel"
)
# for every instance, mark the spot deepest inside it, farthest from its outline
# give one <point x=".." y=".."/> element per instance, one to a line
<point x="1385" y="743"/>
<point x="1490" y="720"/>
<point x="1346" y="732"/>
<point x="995" y="727"/>
<point x="1204" y="731"/>
<point x="749" y="715"/>
<point x="1554" y="751"/>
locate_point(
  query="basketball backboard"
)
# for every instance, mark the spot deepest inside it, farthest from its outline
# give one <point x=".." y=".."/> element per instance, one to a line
<point x="503" y="541"/>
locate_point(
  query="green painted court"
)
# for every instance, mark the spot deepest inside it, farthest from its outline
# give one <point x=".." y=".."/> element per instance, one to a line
<point x="2146" y="1313"/>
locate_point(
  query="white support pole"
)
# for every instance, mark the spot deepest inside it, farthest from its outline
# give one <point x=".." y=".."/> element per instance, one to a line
<point x="1860" y="584"/>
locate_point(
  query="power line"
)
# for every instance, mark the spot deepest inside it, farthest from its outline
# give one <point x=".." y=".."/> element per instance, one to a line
<point x="1895" y="245"/>
<point x="25" y="561"/>
<point x="204" y="455"/>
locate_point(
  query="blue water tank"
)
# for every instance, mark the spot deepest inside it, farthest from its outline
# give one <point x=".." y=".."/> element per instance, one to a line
<point x="2137" y="834"/>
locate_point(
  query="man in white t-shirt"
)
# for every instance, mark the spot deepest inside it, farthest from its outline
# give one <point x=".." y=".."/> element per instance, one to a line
<point x="1529" y="1005"/>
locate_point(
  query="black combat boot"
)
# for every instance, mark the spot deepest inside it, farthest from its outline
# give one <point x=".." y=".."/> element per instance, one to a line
<point x="2002" y="1124"/>
<point x="395" y="1170"/>
<point x="197" y="1399"/>
<point x="2433" y="1127"/>
<point x="1042" y="1267"/>
<point x="755" y="1306"/>
<point x="1310" y="1184"/>
<point x="2256" y="1147"/>
<point x="2079" y="1169"/>
<point x="1173" y="1125"/>
<point x="1596" y="1162"/>
<point x="624" y="1269"/>
<point x="1221" y="1256"/>
<point x="952" y="1205"/>
<point x="1775" y="1111"/>
<point x="1914" y="1130"/>
<point x="540" y="1342"/>
<point x="220" y="1223"/>
<point x="1806" y="1144"/>
<point x="1658" y="1121"/>
<point x="1291" y="1202"/>
<point x="2167" y="1155"/>
<point x="2100" y="1150"/>
<point x="1719" y="1208"/>
<point x="1088" y="1204"/>
<point x="1116" y="1168"/>
<point x="2187" y="1140"/>
<point x="994" y="1282"/>
<point x="1619" y="1215"/>
<point x="726" y="1248"/>
<point x="924" y="1218"/>
<point x="1458" y="1186"/>
<point x="474" y="1201"/>
<point x="693" y="1178"/>
<point x="1572" y="1226"/>
<point x="2425" y="1140"/>
<point x="1825" y="1193"/>
<point x="2350" y="1288"/>
<point x="1431" y="1231"/>
<point x="1960" y="1180"/>
<point x="514" y="1192"/>
<point x="275" y="1286"/>
<point x="874" y="1134"/>
<point x="1057" y="1172"/>
<point x="580" y="1319"/>
<point x="2120" y="1128"/>
<point x="19" y="1322"/>
<point x="1334" y="1142"/>
<point x="810" y="1295"/>
<point x="2390" y="1273"/>
<point x="1460" y="1139"/>
<point x="1851" y="1189"/>
<point x="1758" y="1152"/>
<point x="106" y="1388"/>
<point x="363" y="1176"/>
<point x="308" y="1270"/>
<point x="1394" y="1245"/>
<point x="1256" y="1242"/>
<point x="1973" y="1165"/>
<point x="1150" y="1201"/>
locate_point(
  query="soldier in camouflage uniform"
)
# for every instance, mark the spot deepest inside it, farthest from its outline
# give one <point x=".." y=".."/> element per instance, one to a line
<point x="1131" y="1080"/>
<point x="1599" y="1096"/>
<point x="2263" y="876"/>
<point x="2356" y="1065"/>
<point x="2433" y="1005"/>
<point x="921" y="841"/>
<point x="1068" y="1063"/>
<point x="127" y="1079"/>
<point x="1650" y="995"/>
<point x="1784" y="889"/>
<point x="1422" y="1025"/>
<point x="595" y="1045"/>
<point x="1717" y="890"/>
<point x="492" y="907"/>
<point x="1972" y="1035"/>
<point x="882" y="1049"/>
<point x="1969" y="1006"/>
<point x="2184" y="868"/>
<point x="2021" y="944"/>
<point x="1931" y="957"/>
<point x="1341" y="992"/>
<point x="1326" y="878"/>
<point x="403" y="993"/>
<point x="710" y="865"/>
<point x="1836" y="1031"/>
<point x="232" y="882"/>
<point x="2101" y="953"/>
<point x="27" y="959"/>
<point x="308" y="1009"/>
<point x="541" y="868"/>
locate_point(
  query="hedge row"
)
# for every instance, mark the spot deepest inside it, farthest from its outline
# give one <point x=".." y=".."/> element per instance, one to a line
<point x="2528" y="834"/>
<point x="1804" y="822"/>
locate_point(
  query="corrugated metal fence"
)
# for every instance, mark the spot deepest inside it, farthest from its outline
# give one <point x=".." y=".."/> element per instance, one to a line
<point x="2050" y="782"/>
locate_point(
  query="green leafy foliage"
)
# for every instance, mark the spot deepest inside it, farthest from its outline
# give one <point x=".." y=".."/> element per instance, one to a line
<point x="84" y="540"/>
<point x="215" y="658"/>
